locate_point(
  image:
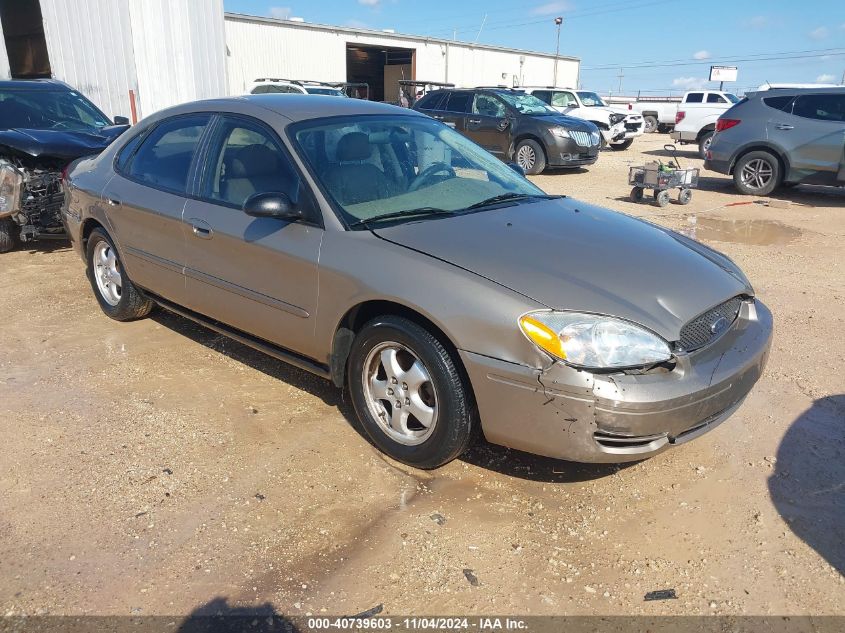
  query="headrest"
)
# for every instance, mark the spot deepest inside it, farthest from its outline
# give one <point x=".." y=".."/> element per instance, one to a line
<point x="254" y="160"/>
<point x="354" y="146"/>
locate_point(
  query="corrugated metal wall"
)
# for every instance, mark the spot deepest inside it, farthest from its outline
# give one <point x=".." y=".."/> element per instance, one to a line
<point x="258" y="47"/>
<point x="90" y="47"/>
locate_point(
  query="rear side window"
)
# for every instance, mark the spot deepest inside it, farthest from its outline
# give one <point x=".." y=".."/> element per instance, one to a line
<point x="782" y="103"/>
<point x="695" y="97"/>
<point x="458" y="102"/>
<point x="165" y="156"/>
<point x="822" y="107"/>
<point x="714" y="98"/>
<point x="431" y="101"/>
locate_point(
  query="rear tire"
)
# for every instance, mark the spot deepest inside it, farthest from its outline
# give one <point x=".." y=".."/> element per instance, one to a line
<point x="531" y="157"/>
<point x="394" y="358"/>
<point x="9" y="233"/>
<point x="623" y="145"/>
<point x="636" y="194"/>
<point x="704" y="144"/>
<point x="117" y="295"/>
<point x="757" y="174"/>
<point x="685" y="196"/>
<point x="651" y="124"/>
<point x="661" y="198"/>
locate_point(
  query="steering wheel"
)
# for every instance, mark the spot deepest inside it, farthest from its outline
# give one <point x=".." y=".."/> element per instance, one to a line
<point x="428" y="172"/>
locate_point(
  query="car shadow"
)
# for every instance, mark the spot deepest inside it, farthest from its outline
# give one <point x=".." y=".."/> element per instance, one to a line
<point x="44" y="247"/>
<point x="808" y="483"/>
<point x="218" y="616"/>
<point x="483" y="454"/>
<point x="556" y="171"/>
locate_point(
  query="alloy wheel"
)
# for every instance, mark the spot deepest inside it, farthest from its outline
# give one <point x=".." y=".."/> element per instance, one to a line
<point x="526" y="157"/>
<point x="107" y="273"/>
<point x="399" y="393"/>
<point x="757" y="173"/>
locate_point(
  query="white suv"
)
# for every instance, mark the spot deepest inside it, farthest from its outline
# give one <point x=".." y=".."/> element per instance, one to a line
<point x="294" y="86"/>
<point x="618" y="127"/>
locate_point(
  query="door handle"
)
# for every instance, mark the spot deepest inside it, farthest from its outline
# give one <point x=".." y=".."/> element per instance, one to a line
<point x="113" y="202"/>
<point x="475" y="121"/>
<point x="784" y="126"/>
<point x="201" y="229"/>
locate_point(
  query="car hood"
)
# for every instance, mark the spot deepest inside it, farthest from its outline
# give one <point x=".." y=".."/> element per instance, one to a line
<point x="61" y="144"/>
<point x="569" y="255"/>
<point x="569" y="122"/>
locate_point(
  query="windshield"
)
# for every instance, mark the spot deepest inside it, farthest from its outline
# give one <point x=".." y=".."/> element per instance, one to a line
<point x="732" y="98"/>
<point x="334" y="92"/>
<point x="372" y="166"/>
<point x="591" y="99"/>
<point x="525" y="103"/>
<point x="49" y="110"/>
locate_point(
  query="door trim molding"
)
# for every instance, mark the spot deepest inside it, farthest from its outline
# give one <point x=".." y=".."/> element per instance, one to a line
<point x="258" y="297"/>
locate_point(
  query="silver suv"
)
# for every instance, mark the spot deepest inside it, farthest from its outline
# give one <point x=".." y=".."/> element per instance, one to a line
<point x="782" y="137"/>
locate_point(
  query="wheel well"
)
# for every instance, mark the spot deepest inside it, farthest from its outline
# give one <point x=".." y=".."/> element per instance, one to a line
<point x="600" y="125"/>
<point x="650" y="113"/>
<point x="762" y="148"/>
<point x="359" y="315"/>
<point x="707" y="128"/>
<point x="537" y="140"/>
<point x="87" y="227"/>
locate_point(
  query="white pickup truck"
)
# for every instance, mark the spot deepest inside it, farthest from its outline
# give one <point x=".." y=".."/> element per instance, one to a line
<point x="695" y="121"/>
<point x="660" y="113"/>
<point x="618" y="127"/>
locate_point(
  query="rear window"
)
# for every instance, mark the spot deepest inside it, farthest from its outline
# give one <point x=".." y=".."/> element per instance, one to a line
<point x="695" y="97"/>
<point x="782" y="102"/>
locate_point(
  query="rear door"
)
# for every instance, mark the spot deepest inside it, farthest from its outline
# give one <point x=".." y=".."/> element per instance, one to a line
<point x="453" y="110"/>
<point x="146" y="199"/>
<point x="814" y="136"/>
<point x="255" y="274"/>
<point x="487" y="124"/>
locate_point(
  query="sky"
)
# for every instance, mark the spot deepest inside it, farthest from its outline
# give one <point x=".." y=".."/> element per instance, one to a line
<point x="662" y="46"/>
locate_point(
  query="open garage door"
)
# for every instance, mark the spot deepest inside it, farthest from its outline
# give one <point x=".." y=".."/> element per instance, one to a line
<point x="380" y="67"/>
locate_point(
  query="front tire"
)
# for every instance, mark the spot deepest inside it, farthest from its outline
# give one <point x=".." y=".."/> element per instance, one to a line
<point x="409" y="394"/>
<point x="8" y="235"/>
<point x="618" y="147"/>
<point x="757" y="174"/>
<point x="531" y="157"/>
<point x="117" y="295"/>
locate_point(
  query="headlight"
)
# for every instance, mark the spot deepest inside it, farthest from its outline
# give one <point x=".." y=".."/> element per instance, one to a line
<point x="593" y="341"/>
<point x="11" y="181"/>
<point x="560" y="132"/>
<point x="616" y="118"/>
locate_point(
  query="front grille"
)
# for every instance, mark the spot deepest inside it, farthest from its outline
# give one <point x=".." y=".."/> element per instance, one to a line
<point x="585" y="139"/>
<point x="633" y="127"/>
<point x="42" y="199"/>
<point x="709" y="326"/>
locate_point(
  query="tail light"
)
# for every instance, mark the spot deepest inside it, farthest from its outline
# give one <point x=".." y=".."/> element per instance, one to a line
<point x="65" y="170"/>
<point x="680" y="116"/>
<point x="630" y="107"/>
<point x="726" y="124"/>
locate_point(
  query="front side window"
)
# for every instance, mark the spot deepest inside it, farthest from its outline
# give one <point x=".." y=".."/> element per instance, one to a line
<point x="49" y="110"/>
<point x="165" y="156"/>
<point x="487" y="105"/>
<point x="525" y="103"/>
<point x="822" y="107"/>
<point x="564" y="100"/>
<point x="371" y="166"/>
<point x="591" y="99"/>
<point x="245" y="160"/>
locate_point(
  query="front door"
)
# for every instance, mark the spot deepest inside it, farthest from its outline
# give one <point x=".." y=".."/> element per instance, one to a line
<point x="814" y="136"/>
<point x="255" y="274"/>
<point x="487" y="124"/>
<point x="147" y="197"/>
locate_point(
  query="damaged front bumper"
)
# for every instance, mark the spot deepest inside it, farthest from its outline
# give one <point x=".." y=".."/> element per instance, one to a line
<point x="565" y="413"/>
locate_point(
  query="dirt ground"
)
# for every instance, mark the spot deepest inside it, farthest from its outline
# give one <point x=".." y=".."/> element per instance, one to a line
<point x="158" y="468"/>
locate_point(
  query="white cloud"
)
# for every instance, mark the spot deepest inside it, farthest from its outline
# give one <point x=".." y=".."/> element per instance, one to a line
<point x="689" y="83"/>
<point x="825" y="79"/>
<point x="701" y="55"/>
<point x="551" y="8"/>
<point x="282" y="13"/>
<point x="369" y="3"/>
<point x="759" y="22"/>
<point x="819" y="33"/>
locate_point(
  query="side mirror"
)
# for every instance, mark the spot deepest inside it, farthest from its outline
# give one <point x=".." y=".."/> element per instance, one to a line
<point x="121" y="120"/>
<point x="517" y="168"/>
<point x="272" y="205"/>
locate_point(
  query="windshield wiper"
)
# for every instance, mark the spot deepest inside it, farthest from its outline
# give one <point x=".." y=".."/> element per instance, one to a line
<point x="504" y="197"/>
<point x="406" y="213"/>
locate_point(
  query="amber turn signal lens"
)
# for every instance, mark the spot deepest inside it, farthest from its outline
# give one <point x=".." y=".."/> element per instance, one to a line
<point x="542" y="336"/>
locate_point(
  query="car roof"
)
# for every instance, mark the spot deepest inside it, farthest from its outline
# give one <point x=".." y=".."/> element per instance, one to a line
<point x="296" y="107"/>
<point x="33" y="84"/>
<point x="836" y="90"/>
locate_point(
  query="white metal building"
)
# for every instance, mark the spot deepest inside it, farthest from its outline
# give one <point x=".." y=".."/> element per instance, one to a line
<point x="165" y="52"/>
<point x="157" y="53"/>
<point x="266" y="47"/>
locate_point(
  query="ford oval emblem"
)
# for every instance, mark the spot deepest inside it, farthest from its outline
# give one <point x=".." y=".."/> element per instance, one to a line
<point x="719" y="325"/>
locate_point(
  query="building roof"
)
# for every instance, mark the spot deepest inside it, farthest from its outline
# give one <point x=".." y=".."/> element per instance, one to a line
<point x="388" y="35"/>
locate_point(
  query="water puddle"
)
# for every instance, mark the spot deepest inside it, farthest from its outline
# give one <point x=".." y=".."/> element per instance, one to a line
<point x="739" y="231"/>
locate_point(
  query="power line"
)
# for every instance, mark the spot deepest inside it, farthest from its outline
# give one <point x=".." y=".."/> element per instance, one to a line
<point x="758" y="57"/>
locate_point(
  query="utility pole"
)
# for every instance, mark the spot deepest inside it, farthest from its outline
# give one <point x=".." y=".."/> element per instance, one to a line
<point x="620" y="75"/>
<point x="558" y="22"/>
